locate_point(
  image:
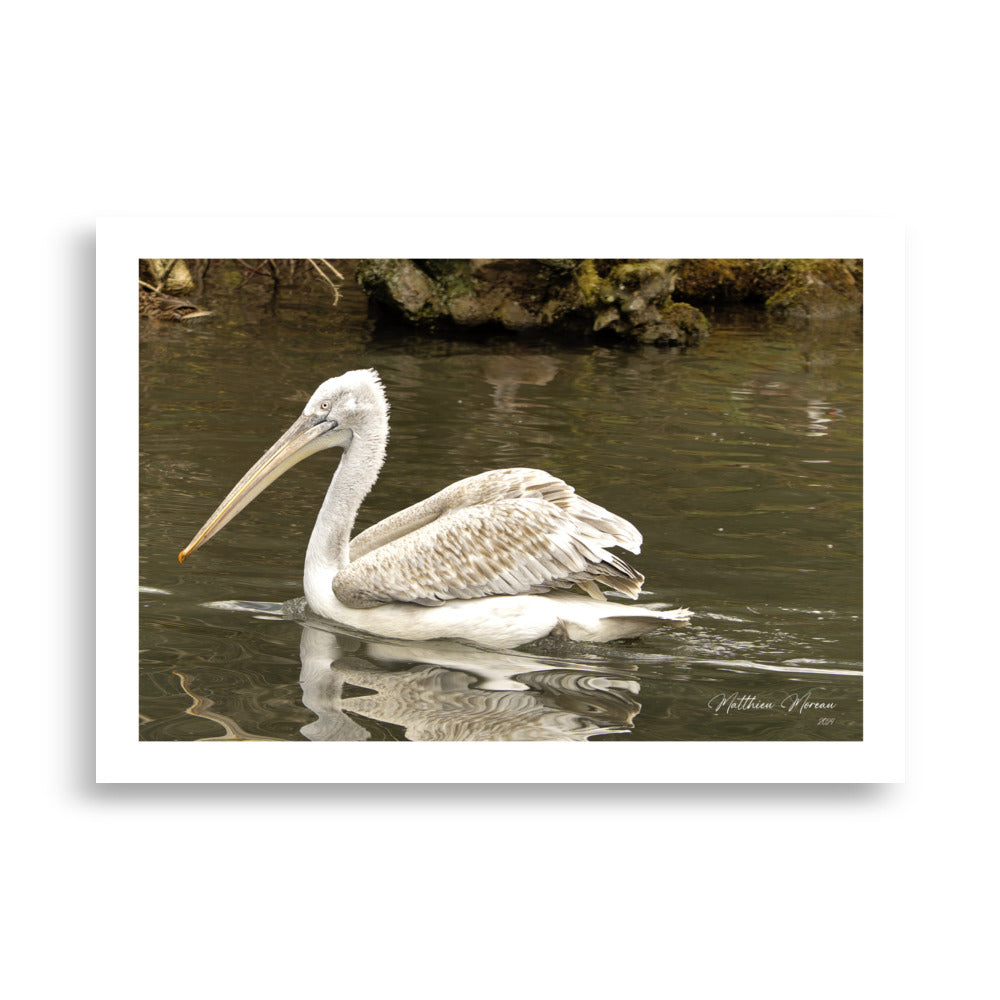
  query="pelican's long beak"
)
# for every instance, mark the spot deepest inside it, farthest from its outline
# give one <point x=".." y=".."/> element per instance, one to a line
<point x="308" y="435"/>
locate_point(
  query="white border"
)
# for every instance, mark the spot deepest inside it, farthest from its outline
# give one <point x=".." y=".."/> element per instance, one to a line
<point x="121" y="241"/>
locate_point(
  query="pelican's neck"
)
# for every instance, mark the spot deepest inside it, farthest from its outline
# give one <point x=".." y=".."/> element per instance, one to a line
<point x="329" y="545"/>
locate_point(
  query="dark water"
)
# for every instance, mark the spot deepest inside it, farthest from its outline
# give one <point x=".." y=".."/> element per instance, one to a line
<point x="739" y="461"/>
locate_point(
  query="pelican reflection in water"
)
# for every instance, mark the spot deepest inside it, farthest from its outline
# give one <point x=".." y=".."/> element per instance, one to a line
<point x="487" y="560"/>
<point x="443" y="691"/>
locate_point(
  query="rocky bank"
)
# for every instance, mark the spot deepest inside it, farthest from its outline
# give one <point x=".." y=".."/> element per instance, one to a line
<point x="654" y="301"/>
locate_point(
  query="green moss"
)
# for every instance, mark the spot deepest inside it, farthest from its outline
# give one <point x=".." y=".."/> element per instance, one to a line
<point x="561" y="266"/>
<point x="451" y="277"/>
<point x="777" y="283"/>
<point x="654" y="276"/>
<point x="687" y="319"/>
<point x="719" y="279"/>
<point x="633" y="272"/>
<point x="814" y="288"/>
<point x="369" y="272"/>
<point x="593" y="287"/>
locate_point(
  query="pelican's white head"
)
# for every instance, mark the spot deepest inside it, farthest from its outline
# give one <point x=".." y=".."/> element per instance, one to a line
<point x="354" y="401"/>
<point x="349" y="412"/>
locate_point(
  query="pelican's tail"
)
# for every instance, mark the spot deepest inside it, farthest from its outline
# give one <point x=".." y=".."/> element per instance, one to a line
<point x="594" y="624"/>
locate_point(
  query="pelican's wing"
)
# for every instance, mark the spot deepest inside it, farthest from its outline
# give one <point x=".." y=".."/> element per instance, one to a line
<point x="524" y="545"/>
<point x="491" y="487"/>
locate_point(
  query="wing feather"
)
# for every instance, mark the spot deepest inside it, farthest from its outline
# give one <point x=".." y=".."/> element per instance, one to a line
<point x="523" y="544"/>
<point x="491" y="487"/>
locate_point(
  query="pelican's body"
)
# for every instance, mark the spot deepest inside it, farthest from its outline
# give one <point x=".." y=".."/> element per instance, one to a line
<point x="486" y="560"/>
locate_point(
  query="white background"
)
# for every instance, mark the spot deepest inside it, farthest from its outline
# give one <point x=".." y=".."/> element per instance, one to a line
<point x="493" y="891"/>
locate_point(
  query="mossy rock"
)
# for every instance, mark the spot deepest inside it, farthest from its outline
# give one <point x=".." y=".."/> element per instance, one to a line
<point x="816" y="289"/>
<point x="679" y="324"/>
<point x="806" y="288"/>
<point x="710" y="280"/>
<point x="623" y="298"/>
<point x="400" y="285"/>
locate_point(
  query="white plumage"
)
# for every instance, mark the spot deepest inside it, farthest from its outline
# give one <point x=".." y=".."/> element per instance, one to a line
<point x="489" y="559"/>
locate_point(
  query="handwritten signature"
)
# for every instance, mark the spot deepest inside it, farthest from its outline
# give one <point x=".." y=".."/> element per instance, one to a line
<point x="734" y="701"/>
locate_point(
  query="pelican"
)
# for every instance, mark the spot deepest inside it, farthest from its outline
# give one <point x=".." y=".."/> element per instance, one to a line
<point x="487" y="560"/>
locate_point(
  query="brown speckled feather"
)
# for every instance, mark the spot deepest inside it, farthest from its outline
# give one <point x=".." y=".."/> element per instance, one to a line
<point x="508" y="531"/>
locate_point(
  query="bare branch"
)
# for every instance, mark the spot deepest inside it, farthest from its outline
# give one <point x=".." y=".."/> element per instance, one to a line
<point x="329" y="264"/>
<point x="319" y="271"/>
